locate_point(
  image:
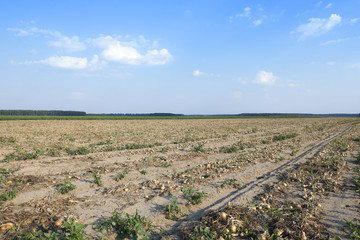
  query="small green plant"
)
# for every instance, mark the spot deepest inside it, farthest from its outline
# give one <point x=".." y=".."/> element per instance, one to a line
<point x="22" y="155"/>
<point x="231" y="149"/>
<point x="4" y="174"/>
<point x="127" y="226"/>
<point x="198" y="148"/>
<point x="109" y="148"/>
<point x="120" y="176"/>
<point x="231" y="182"/>
<point x="74" y="230"/>
<point x="7" y="140"/>
<point x="284" y="136"/>
<point x="102" y="169"/>
<point x="97" y="179"/>
<point x="192" y="196"/>
<point x="107" y="142"/>
<point x="204" y="233"/>
<point x="293" y="152"/>
<point x="357" y="139"/>
<point x="139" y="146"/>
<point x="172" y="210"/>
<point x="165" y="149"/>
<point x="71" y="231"/>
<point x="78" y="151"/>
<point x="6" y="196"/>
<point x="354" y="228"/>
<point x="357" y="181"/>
<point x="165" y="164"/>
<point x="53" y="153"/>
<point x="265" y="141"/>
<point x="66" y="187"/>
<point x="143" y="172"/>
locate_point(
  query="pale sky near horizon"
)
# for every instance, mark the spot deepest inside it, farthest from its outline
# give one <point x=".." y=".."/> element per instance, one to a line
<point x="191" y="57"/>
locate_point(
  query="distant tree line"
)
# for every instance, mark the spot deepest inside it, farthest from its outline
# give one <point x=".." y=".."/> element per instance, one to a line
<point x="41" y="113"/>
<point x="139" y="114"/>
<point x="296" y="115"/>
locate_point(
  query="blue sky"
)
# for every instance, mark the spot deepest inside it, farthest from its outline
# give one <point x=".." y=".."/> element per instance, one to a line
<point x="189" y="57"/>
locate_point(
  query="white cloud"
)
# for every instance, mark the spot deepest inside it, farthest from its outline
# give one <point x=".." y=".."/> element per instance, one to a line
<point x="157" y="57"/>
<point x="329" y="5"/>
<point x="70" y="44"/>
<point x="265" y="78"/>
<point x="246" y="12"/>
<point x="31" y="31"/>
<point x="354" y="21"/>
<point x="335" y="41"/>
<point x="118" y="53"/>
<point x="333" y="20"/>
<point x="317" y="26"/>
<point x="111" y="50"/>
<point x="257" y="22"/>
<point x="95" y="63"/>
<point x="65" y="62"/>
<point x="256" y="18"/>
<point x="330" y="63"/>
<point x="293" y="84"/>
<point x="103" y="41"/>
<point x="197" y="73"/>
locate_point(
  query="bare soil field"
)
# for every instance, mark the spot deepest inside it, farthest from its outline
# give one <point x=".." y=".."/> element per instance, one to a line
<point x="255" y="178"/>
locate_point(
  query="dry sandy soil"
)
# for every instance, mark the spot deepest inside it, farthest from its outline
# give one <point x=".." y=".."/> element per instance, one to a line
<point x="285" y="178"/>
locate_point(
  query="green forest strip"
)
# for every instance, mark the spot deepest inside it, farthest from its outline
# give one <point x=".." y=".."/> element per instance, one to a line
<point x="6" y="118"/>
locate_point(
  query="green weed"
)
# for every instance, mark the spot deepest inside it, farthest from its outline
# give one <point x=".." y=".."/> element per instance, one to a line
<point x="97" y="179"/>
<point x="284" y="136"/>
<point x="6" y="196"/>
<point x="22" y="155"/>
<point x="165" y="149"/>
<point x="73" y="230"/>
<point x="53" y="153"/>
<point x="354" y="228"/>
<point x="102" y="169"/>
<point x="192" y="196"/>
<point x="198" y="148"/>
<point x="231" y="182"/>
<point x="231" y="149"/>
<point x="127" y="226"/>
<point x="66" y="187"/>
<point x="204" y="234"/>
<point x="78" y="151"/>
<point x="120" y="176"/>
<point x="165" y="164"/>
<point x="172" y="210"/>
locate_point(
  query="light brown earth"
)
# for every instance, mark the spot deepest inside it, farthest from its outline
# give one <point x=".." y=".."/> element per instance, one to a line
<point x="168" y="155"/>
